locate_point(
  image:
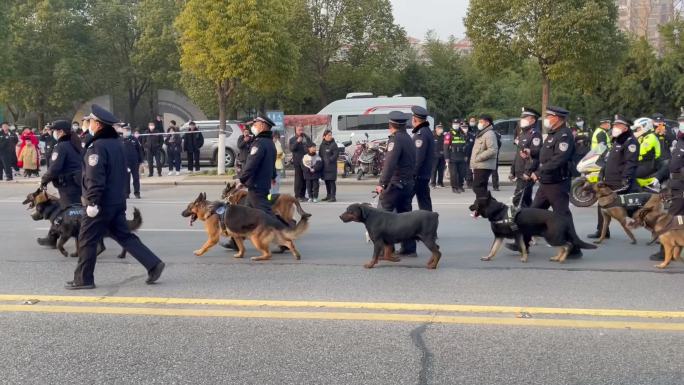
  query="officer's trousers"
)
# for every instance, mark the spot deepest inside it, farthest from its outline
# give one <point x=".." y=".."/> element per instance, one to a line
<point x="152" y="155"/>
<point x="663" y="173"/>
<point x="259" y="200"/>
<point x="438" y="171"/>
<point x="457" y="173"/>
<point x="399" y="200"/>
<point x="135" y="175"/>
<point x="422" y="190"/>
<point x="554" y="195"/>
<point x="523" y="192"/>
<point x="69" y="195"/>
<point x="111" y="220"/>
<point x="480" y="182"/>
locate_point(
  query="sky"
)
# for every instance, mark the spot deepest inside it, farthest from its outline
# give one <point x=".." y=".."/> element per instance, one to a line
<point x="445" y="17"/>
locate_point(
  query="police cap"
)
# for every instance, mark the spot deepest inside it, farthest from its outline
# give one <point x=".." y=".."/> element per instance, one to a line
<point x="419" y="112"/>
<point x="605" y="120"/>
<point x="457" y="121"/>
<point x="658" y="117"/>
<point x="526" y="111"/>
<point x="100" y="114"/>
<point x="619" y="119"/>
<point x="265" y="119"/>
<point x="557" y="111"/>
<point x="398" y="118"/>
<point x="62" y="125"/>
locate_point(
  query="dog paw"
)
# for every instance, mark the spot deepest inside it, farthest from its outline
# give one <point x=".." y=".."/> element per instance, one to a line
<point x="262" y="258"/>
<point x="597" y="242"/>
<point x="486" y="259"/>
<point x="238" y="256"/>
<point x="523" y="260"/>
<point x="660" y="266"/>
<point x="198" y="253"/>
<point x="633" y="242"/>
<point x="369" y="265"/>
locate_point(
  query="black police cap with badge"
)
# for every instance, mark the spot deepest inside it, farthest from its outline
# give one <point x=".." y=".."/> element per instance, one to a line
<point x="619" y="119"/>
<point x="605" y="120"/>
<point x="100" y="114"/>
<point x="419" y="112"/>
<point x="266" y="120"/>
<point x="62" y="125"/>
<point x="398" y="118"/>
<point x="557" y="111"/>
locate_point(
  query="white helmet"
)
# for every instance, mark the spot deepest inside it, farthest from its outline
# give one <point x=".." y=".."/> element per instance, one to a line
<point x="642" y="126"/>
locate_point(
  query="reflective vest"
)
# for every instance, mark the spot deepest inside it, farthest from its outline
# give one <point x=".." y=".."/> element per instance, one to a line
<point x="594" y="138"/>
<point x="457" y="137"/>
<point x="649" y="147"/>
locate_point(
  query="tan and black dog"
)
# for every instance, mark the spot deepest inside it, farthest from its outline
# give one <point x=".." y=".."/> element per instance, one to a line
<point x="614" y="206"/>
<point x="283" y="205"/>
<point x="668" y="229"/>
<point x="241" y="222"/>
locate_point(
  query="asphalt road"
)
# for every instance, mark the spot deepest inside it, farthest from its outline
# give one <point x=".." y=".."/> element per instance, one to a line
<point x="468" y="322"/>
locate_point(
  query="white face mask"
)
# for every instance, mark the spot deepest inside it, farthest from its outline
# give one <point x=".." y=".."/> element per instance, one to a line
<point x="524" y="123"/>
<point x="126" y="133"/>
<point x="473" y="124"/>
<point x="580" y="124"/>
<point x="439" y="131"/>
<point x="151" y="127"/>
<point x="616" y="132"/>
<point x="74" y="127"/>
<point x="253" y="130"/>
<point x="481" y="126"/>
<point x="681" y="127"/>
<point x="455" y="126"/>
<point x="91" y="132"/>
<point x="547" y="123"/>
<point x="54" y="135"/>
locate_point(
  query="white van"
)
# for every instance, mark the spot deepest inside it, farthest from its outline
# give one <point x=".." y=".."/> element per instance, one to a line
<point x="367" y="115"/>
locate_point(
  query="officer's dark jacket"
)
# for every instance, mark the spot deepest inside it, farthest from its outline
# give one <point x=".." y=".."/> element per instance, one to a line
<point x="425" y="150"/>
<point x="243" y="147"/>
<point x="298" y="150"/>
<point x="677" y="166"/>
<point x="439" y="145"/>
<point x="104" y="170"/>
<point x="65" y="164"/>
<point x="529" y="139"/>
<point x="133" y="151"/>
<point x="193" y="141"/>
<point x="555" y="156"/>
<point x="400" y="160"/>
<point x="621" y="161"/>
<point x="582" y="142"/>
<point x="7" y="142"/>
<point x="49" y="141"/>
<point x="457" y="148"/>
<point x="259" y="171"/>
<point x="666" y="139"/>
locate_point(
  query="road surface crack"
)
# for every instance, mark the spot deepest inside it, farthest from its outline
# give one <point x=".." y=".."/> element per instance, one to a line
<point x="425" y="354"/>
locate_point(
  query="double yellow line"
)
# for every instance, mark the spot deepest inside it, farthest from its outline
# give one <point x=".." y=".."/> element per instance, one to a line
<point x="349" y="311"/>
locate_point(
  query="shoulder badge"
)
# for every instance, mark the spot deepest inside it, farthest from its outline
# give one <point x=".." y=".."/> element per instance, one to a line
<point x="390" y="146"/>
<point x="54" y="156"/>
<point x="563" y="147"/>
<point x="536" y="141"/>
<point x="93" y="159"/>
<point x="254" y="150"/>
<point x="419" y="143"/>
<point x="632" y="148"/>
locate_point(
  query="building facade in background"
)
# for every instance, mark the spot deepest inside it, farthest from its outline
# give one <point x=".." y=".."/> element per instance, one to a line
<point x="642" y="18"/>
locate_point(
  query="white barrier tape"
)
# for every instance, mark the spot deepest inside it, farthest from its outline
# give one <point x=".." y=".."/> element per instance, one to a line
<point x="182" y="133"/>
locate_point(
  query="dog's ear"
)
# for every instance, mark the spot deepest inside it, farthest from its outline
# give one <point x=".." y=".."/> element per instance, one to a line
<point x="204" y="196"/>
<point x="363" y="211"/>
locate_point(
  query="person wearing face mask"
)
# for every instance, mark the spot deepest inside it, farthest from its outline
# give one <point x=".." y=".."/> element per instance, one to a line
<point x="193" y="140"/>
<point x="134" y="158"/>
<point x="582" y="143"/>
<point x="244" y="144"/>
<point x="554" y="174"/>
<point x="153" y="146"/>
<point x="601" y="135"/>
<point x="455" y="146"/>
<point x="666" y="138"/>
<point x="104" y="196"/>
<point x="49" y="142"/>
<point x="425" y="152"/>
<point x="649" y="148"/>
<point x="259" y="172"/>
<point x="298" y="145"/>
<point x="174" y="148"/>
<point x="472" y="131"/>
<point x="676" y="178"/>
<point x="438" y="166"/>
<point x="526" y="158"/>
<point x="64" y="172"/>
<point x="483" y="160"/>
<point x="329" y="153"/>
<point x="619" y="171"/>
<point x="85" y="134"/>
<point x="7" y="142"/>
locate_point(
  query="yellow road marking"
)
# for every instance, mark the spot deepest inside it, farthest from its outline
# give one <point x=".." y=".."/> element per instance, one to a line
<point x="335" y="316"/>
<point x="438" y="308"/>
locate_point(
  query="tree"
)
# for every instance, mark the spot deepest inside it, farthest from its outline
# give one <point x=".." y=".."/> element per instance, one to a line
<point x="568" y="39"/>
<point x="237" y="42"/>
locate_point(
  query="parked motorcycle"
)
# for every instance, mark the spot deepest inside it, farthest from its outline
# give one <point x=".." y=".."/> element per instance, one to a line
<point x="370" y="157"/>
<point x="344" y="161"/>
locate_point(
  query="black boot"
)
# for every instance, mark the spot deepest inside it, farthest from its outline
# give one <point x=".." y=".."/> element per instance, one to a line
<point x="513" y="247"/>
<point x="231" y="245"/>
<point x="659" y="256"/>
<point x="48" y="241"/>
<point x="597" y="235"/>
<point x="575" y="253"/>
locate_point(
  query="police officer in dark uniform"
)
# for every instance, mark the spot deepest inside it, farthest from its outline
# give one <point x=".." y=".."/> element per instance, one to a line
<point x="104" y="195"/>
<point x="456" y="145"/>
<point x="554" y="172"/>
<point x="134" y="158"/>
<point x="259" y="172"/>
<point x="398" y="175"/>
<point x="425" y="156"/>
<point x="47" y="137"/>
<point x="621" y="161"/>
<point x="438" y="164"/>
<point x="7" y="152"/>
<point x="526" y="162"/>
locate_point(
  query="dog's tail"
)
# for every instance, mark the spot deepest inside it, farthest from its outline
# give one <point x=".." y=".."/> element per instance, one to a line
<point x="298" y="230"/>
<point x="137" y="221"/>
<point x="576" y="239"/>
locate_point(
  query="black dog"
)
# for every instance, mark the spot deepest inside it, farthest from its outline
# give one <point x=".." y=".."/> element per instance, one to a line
<point x="67" y="223"/>
<point x="386" y="228"/>
<point x="526" y="223"/>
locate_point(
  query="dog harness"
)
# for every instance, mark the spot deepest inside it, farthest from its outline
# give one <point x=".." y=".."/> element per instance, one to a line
<point x="629" y="201"/>
<point x="509" y="219"/>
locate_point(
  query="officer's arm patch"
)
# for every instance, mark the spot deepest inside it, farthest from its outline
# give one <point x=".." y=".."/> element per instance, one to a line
<point x="390" y="147"/>
<point x="419" y="143"/>
<point x="563" y="146"/>
<point x="93" y="159"/>
<point x="254" y="150"/>
<point x="54" y="156"/>
<point x="632" y="148"/>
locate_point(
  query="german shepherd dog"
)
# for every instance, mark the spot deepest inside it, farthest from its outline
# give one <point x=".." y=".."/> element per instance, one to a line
<point x="612" y="207"/>
<point x="67" y="223"/>
<point x="668" y="229"/>
<point x="283" y="205"/>
<point x="240" y="222"/>
<point x="524" y="224"/>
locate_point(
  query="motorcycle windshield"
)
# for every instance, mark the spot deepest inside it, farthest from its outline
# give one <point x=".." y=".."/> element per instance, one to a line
<point x="593" y="160"/>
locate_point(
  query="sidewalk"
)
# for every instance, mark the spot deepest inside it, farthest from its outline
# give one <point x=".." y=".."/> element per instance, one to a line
<point x="212" y="180"/>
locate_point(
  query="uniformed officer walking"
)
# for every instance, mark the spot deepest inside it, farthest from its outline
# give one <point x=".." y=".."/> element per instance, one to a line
<point x="398" y="175"/>
<point x="104" y="195"/>
<point x="554" y="172"/>
<point x="526" y="160"/>
<point x="425" y="156"/>
<point x="601" y="135"/>
<point x="619" y="172"/>
<point x="259" y="172"/>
